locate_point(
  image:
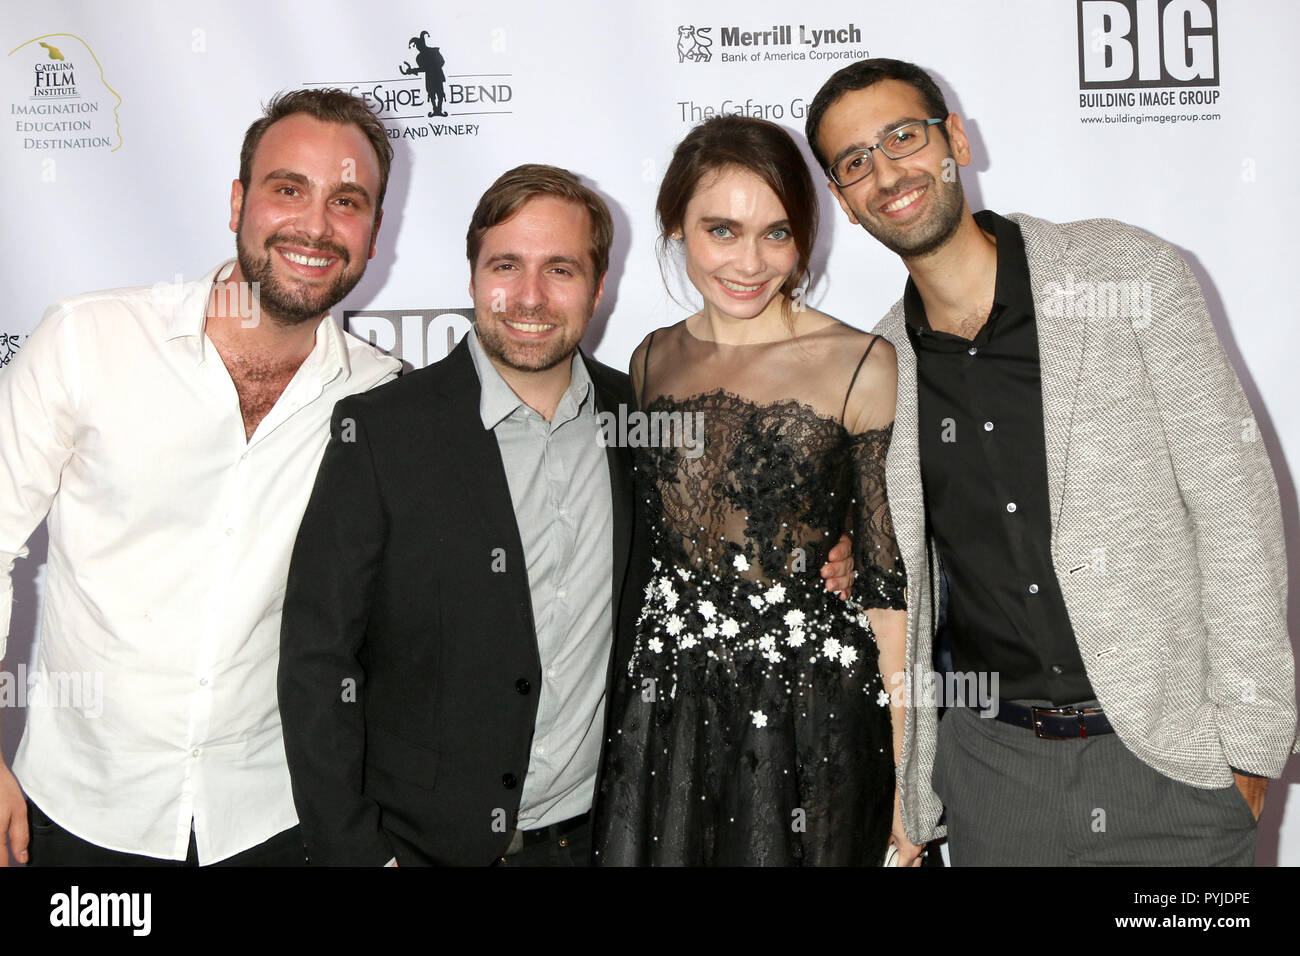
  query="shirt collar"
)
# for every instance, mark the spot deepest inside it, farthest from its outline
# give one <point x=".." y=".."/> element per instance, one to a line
<point x="1010" y="288"/>
<point x="498" y="401"/>
<point x="188" y="302"/>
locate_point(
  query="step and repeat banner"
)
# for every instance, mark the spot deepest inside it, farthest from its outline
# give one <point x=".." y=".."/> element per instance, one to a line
<point x="124" y="122"/>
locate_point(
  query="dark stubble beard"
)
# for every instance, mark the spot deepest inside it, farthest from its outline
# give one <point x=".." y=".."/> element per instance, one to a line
<point x="521" y="356"/>
<point x="286" y="305"/>
<point x="920" y="239"/>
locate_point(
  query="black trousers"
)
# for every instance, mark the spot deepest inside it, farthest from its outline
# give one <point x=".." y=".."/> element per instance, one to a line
<point x="573" y="848"/>
<point x="51" y="845"/>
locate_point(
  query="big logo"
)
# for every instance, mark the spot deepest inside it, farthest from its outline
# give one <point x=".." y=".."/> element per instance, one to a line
<point x="1148" y="43"/>
<point x="415" y="337"/>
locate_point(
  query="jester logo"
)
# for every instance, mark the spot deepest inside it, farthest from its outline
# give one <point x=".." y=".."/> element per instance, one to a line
<point x="429" y="61"/>
<point x="694" y="44"/>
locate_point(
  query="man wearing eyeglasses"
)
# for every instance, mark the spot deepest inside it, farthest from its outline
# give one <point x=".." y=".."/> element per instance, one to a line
<point x="1075" y="453"/>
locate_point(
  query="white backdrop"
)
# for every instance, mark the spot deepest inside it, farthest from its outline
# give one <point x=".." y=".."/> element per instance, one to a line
<point x="124" y="133"/>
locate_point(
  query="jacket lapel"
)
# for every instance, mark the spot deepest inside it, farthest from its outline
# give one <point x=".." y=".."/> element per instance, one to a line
<point x="482" y="474"/>
<point x="902" y="462"/>
<point x="1060" y="345"/>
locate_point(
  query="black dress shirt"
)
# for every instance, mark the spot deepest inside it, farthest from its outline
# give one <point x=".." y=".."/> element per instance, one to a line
<point x="984" y="470"/>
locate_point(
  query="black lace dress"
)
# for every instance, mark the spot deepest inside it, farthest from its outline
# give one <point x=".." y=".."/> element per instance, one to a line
<point x="751" y="726"/>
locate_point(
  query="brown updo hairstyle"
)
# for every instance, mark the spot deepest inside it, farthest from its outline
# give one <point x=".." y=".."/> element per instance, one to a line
<point x="762" y="148"/>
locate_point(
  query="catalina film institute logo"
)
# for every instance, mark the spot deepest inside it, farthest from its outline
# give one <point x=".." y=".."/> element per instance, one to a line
<point x="429" y="98"/>
<point x="776" y="43"/>
<point x="65" y="102"/>
<point x="1148" y="61"/>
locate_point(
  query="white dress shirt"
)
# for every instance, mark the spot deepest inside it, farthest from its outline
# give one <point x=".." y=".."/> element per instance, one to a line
<point x="169" y="541"/>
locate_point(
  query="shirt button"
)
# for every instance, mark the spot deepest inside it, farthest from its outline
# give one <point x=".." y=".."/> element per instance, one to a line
<point x="203" y="682"/>
<point x="194" y="752"/>
<point x="560" y="593"/>
<point x="564" y="512"/>
<point x="539" y="750"/>
<point x="972" y="350"/>
<point x="1057" y="669"/>
<point x="1011" y="507"/>
<point x="988" y="426"/>
<point x="523" y="685"/>
<point x="1033" y="589"/>
<point x="509" y="781"/>
<point x="229" y="532"/>
<point x="551" y="671"/>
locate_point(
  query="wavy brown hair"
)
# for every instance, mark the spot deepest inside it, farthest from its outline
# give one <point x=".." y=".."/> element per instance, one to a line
<point x="752" y="144"/>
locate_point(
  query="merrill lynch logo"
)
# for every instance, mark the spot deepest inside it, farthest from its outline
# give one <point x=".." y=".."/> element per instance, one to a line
<point x="695" y="44"/>
<point x="1148" y="43"/>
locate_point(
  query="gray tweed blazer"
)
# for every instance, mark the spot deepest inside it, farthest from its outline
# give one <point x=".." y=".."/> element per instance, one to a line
<point x="1166" y="528"/>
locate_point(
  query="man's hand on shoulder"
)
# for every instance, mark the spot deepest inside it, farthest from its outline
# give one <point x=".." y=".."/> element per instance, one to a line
<point x="13" y="819"/>
<point x="838" y="569"/>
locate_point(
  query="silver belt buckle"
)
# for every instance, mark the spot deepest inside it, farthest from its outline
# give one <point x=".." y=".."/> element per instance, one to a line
<point x="1056" y="711"/>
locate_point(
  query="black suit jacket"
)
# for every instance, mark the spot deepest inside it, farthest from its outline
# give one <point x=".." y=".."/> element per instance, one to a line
<point x="409" y="669"/>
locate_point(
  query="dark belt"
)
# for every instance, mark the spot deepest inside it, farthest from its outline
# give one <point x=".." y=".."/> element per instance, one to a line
<point x="521" y="839"/>
<point x="1056" y="723"/>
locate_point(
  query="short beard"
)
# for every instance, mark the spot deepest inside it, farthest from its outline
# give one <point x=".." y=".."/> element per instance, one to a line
<point x="281" y="304"/>
<point x="520" y="356"/>
<point x="945" y="219"/>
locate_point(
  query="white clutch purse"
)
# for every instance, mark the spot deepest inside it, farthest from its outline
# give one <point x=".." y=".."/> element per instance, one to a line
<point x="891" y="856"/>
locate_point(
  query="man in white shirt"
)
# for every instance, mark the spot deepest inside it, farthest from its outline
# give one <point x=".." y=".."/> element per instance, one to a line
<point x="172" y="434"/>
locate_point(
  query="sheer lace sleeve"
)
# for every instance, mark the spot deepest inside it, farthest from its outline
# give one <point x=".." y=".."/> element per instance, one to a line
<point x="637" y="368"/>
<point x="869" y="412"/>
<point x="881" y="579"/>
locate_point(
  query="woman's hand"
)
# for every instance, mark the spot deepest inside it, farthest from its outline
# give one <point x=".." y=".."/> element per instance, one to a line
<point x="909" y="854"/>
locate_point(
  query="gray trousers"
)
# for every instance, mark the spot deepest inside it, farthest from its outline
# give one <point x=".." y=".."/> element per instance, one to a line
<point x="1014" y="799"/>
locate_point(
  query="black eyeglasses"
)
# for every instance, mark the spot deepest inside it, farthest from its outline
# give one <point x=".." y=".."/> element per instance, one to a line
<point x="904" y="141"/>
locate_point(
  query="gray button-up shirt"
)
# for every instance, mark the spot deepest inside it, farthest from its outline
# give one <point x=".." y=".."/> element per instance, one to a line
<point x="558" y="475"/>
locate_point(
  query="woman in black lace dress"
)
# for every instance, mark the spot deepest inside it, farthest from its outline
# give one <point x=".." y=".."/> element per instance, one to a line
<point x="753" y="726"/>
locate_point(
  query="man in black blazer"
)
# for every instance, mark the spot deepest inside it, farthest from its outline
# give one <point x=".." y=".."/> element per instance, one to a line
<point x="469" y="570"/>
